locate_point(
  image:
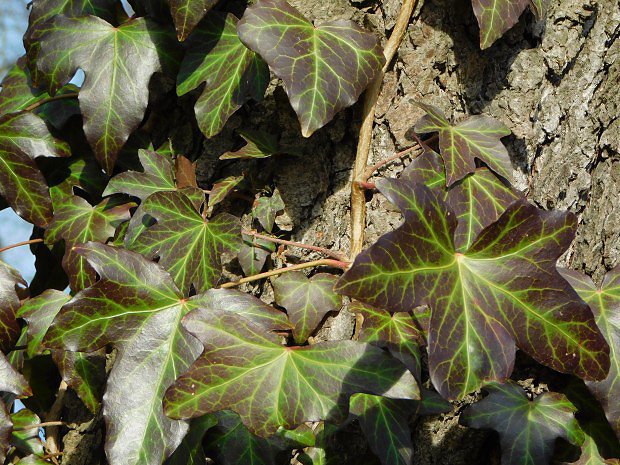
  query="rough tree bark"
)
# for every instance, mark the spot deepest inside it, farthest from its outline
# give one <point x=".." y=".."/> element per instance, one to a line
<point x="554" y="83"/>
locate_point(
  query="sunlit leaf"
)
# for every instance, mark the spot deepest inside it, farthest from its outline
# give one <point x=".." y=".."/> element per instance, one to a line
<point x="503" y="292"/>
<point x="190" y="452"/>
<point x="459" y="145"/>
<point x="605" y="304"/>
<point x="11" y="380"/>
<point x="293" y="385"/>
<point x="10" y="281"/>
<point x="26" y="439"/>
<point x="187" y="245"/>
<point x="24" y="137"/>
<point x="307" y="301"/>
<point x="232" y="73"/>
<point x="590" y="455"/>
<point x="118" y="63"/>
<point x="84" y="373"/>
<point x="527" y="429"/>
<point x="188" y="13"/>
<point x="324" y="68"/>
<point x="137" y="308"/>
<point x="222" y="188"/>
<point x="259" y="144"/>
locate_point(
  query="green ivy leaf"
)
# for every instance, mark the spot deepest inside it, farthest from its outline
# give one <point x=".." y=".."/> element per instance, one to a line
<point x="24" y="137"/>
<point x="503" y="291"/>
<point x="385" y="424"/>
<point x="590" y="454"/>
<point x="11" y="380"/>
<point x="605" y="304"/>
<point x="118" y="63"/>
<point x="324" y="68"/>
<point x="78" y="222"/>
<point x="32" y="460"/>
<point x="222" y="188"/>
<point x="528" y="430"/>
<point x="307" y="301"/>
<point x="190" y="452"/>
<point x="187" y="245"/>
<point x="10" y="281"/>
<point x="266" y="209"/>
<point x="17" y="92"/>
<point x="137" y="308"/>
<point x="253" y="254"/>
<point x="81" y="172"/>
<point x="233" y="73"/>
<point x="186" y="14"/>
<point x="495" y="17"/>
<point x="259" y="144"/>
<point x="477" y="200"/>
<point x="293" y="385"/>
<point x="476" y="137"/>
<point x="26" y="440"/>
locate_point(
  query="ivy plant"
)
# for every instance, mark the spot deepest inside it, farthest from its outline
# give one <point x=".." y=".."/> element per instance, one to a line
<point x="168" y="304"/>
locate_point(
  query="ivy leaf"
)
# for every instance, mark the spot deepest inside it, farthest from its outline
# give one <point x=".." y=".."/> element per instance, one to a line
<point x="267" y="208"/>
<point x="76" y="172"/>
<point x="10" y="280"/>
<point x="496" y="17"/>
<point x="527" y="429"/>
<point x="240" y="303"/>
<point x="6" y="428"/>
<point x="84" y="373"/>
<point x="158" y="176"/>
<point x="324" y="68"/>
<point x="26" y="439"/>
<point x="118" y="63"/>
<point x="188" y="13"/>
<point x="190" y="452"/>
<point x="233" y="73"/>
<point x="78" y="222"/>
<point x="605" y="304"/>
<point x="503" y="291"/>
<point x="137" y="308"/>
<point x="307" y="301"/>
<point x="476" y="137"/>
<point x="253" y="254"/>
<point x="24" y="137"/>
<point x="259" y="144"/>
<point x="385" y="424"/>
<point x="187" y="245"/>
<point x="477" y="200"/>
<point x="293" y="385"/>
<point x="11" y="380"/>
<point x="222" y="188"/>
<point x="590" y="454"/>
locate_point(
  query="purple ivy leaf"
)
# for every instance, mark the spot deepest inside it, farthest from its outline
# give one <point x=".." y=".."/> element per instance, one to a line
<point x="259" y="144"/>
<point x="222" y="188"/>
<point x="265" y="210"/>
<point x="186" y="14"/>
<point x="253" y="254"/>
<point x="10" y="282"/>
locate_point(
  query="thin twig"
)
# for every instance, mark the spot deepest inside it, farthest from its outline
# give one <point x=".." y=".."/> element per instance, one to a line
<point x="331" y="253"/>
<point x="358" y="199"/>
<point x="300" y="266"/>
<point x="397" y="156"/>
<point x="40" y="425"/>
<point x="19" y="244"/>
<point x="36" y="105"/>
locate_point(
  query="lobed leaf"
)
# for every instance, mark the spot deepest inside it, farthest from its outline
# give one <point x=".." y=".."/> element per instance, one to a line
<point x="23" y="138"/>
<point x="324" y="68"/>
<point x="76" y="172"/>
<point x="459" y="145"/>
<point x="527" y="429"/>
<point x="605" y="304"/>
<point x="232" y="73"/>
<point x="118" y="63"/>
<point x="187" y="245"/>
<point x="244" y="369"/>
<point x="307" y="301"/>
<point x="136" y="307"/>
<point x="504" y="291"/>
<point x="266" y="209"/>
<point x="84" y="373"/>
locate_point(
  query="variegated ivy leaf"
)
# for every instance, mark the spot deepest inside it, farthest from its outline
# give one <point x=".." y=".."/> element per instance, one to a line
<point x="190" y="452"/>
<point x="253" y="254"/>
<point x="188" y="13"/>
<point x="24" y="137"/>
<point x="527" y="429"/>
<point x="10" y="281"/>
<point x="385" y="424"/>
<point x="222" y="188"/>
<point x="187" y="245"/>
<point x="266" y="209"/>
<point x="232" y="73"/>
<point x="503" y="292"/>
<point x="259" y="144"/>
<point x="307" y="301"/>
<point x="605" y="304"/>
<point x="118" y="63"/>
<point x="477" y="200"/>
<point x="6" y="428"/>
<point x="137" y="308"/>
<point x="324" y="68"/>
<point x="77" y="222"/>
<point x="495" y="17"/>
<point x="293" y="385"/>
<point x="26" y="439"/>
<point x="158" y="175"/>
<point x="459" y="145"/>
